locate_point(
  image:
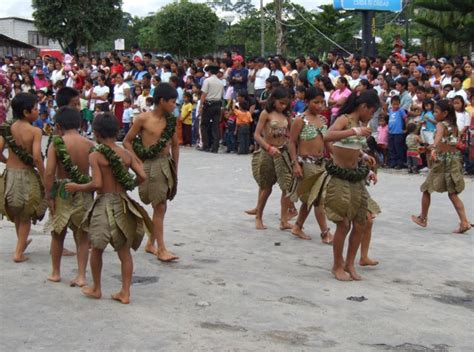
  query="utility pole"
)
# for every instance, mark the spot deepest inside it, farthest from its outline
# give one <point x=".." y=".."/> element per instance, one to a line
<point x="262" y="30"/>
<point x="278" y="27"/>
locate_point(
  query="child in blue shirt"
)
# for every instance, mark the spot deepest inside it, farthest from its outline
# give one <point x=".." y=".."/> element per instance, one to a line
<point x="396" y="134"/>
<point x="127" y="116"/>
<point x="299" y="104"/>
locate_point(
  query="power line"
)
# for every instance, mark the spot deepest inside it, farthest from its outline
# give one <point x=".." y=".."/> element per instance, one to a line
<point x="401" y="11"/>
<point x="312" y="25"/>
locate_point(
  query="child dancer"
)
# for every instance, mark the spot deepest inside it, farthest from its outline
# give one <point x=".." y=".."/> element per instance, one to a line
<point x="306" y="150"/>
<point x="272" y="163"/>
<point x="21" y="190"/>
<point x="446" y="172"/>
<point x="152" y="138"/>
<point x="68" y="160"/>
<point x="114" y="217"/>
<point x="345" y="196"/>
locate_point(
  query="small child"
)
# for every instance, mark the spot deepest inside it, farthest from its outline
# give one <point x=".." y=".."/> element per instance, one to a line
<point x="243" y="124"/>
<point x="230" y="131"/>
<point x="413" y="142"/>
<point x="196" y="90"/>
<point x="68" y="150"/>
<point x="22" y="198"/>
<point x="187" y="117"/>
<point x="111" y="179"/>
<point x="382" y="139"/>
<point x="396" y="134"/>
<point x="127" y="117"/>
<point x="299" y="104"/>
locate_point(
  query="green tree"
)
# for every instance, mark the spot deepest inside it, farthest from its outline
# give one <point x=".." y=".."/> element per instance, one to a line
<point x="77" y="23"/>
<point x="449" y="24"/>
<point x="186" y="29"/>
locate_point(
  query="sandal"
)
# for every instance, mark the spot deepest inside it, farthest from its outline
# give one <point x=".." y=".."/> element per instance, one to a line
<point x="327" y="234"/>
<point x="462" y="229"/>
<point x="419" y="220"/>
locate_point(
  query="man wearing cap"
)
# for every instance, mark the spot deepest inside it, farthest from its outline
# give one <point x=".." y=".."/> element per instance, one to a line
<point x="238" y="76"/>
<point x="41" y="82"/>
<point x="211" y="103"/>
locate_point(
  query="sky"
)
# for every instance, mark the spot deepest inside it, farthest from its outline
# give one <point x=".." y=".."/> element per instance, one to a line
<point x="22" y="8"/>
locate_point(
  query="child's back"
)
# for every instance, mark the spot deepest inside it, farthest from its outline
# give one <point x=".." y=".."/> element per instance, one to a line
<point x="110" y="184"/>
<point x="25" y="136"/>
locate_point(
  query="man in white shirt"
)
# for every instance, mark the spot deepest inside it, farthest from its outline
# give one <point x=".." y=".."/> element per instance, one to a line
<point x="261" y="76"/>
<point x="101" y="93"/>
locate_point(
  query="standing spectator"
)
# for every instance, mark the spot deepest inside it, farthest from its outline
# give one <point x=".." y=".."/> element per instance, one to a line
<point x="238" y="76"/>
<point x="210" y="110"/>
<point x="41" y="82"/>
<point x="314" y="70"/>
<point x="401" y="85"/>
<point x="276" y="69"/>
<point x="339" y="96"/>
<point x="396" y="136"/>
<point x="187" y="117"/>
<point x="121" y="91"/>
<point x="261" y="75"/>
<point x="127" y="117"/>
<point x="243" y="124"/>
<point x="101" y="93"/>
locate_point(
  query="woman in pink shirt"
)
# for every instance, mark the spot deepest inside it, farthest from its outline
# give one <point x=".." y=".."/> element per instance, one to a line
<point x="40" y="80"/>
<point x="339" y="96"/>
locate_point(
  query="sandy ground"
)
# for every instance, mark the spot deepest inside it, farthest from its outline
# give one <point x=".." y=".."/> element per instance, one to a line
<point x="239" y="289"/>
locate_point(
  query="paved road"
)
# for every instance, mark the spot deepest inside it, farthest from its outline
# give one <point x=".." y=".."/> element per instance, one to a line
<point x="236" y="290"/>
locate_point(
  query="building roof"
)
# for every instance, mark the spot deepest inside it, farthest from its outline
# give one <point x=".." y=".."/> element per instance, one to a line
<point x="16" y="18"/>
<point x="4" y="40"/>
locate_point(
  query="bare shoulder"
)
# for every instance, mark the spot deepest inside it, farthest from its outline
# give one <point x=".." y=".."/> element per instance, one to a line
<point x="97" y="158"/>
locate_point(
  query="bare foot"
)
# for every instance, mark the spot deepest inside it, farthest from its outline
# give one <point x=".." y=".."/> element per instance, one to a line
<point x="352" y="272"/>
<point x="68" y="253"/>
<point x="251" y="211"/>
<point x="20" y="259"/>
<point x="340" y="274"/>
<point x="327" y="237"/>
<point x="259" y="224"/>
<point x="121" y="297"/>
<point x="54" y="278"/>
<point x="150" y="248"/>
<point x="91" y="292"/>
<point x="78" y="282"/>
<point x="367" y="262"/>
<point x="419" y="220"/>
<point x="166" y="256"/>
<point x="292" y="212"/>
<point x="463" y="228"/>
<point x="285" y="226"/>
<point x="298" y="232"/>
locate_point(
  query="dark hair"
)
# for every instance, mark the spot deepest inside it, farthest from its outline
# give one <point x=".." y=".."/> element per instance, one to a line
<point x="277" y="94"/>
<point x="458" y="97"/>
<point x="22" y="102"/>
<point x="327" y="83"/>
<point x="413" y="82"/>
<point x="188" y="95"/>
<point x="368" y="97"/>
<point x="244" y="105"/>
<point x="272" y="79"/>
<point x="395" y="98"/>
<point x="445" y="105"/>
<point x="314" y="58"/>
<point x="426" y="102"/>
<point x="128" y="101"/>
<point x="366" y="83"/>
<point x="411" y="127"/>
<point x="68" y="118"/>
<point x="313" y="92"/>
<point x="164" y="91"/>
<point x="403" y="81"/>
<point x="106" y="125"/>
<point x="343" y="80"/>
<point x="65" y="95"/>
<point x="458" y="76"/>
<point x="300" y="89"/>
<point x="420" y="89"/>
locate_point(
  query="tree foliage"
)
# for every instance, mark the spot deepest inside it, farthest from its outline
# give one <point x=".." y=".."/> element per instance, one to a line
<point x="77" y="23"/>
<point x="449" y="24"/>
<point x="185" y="29"/>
